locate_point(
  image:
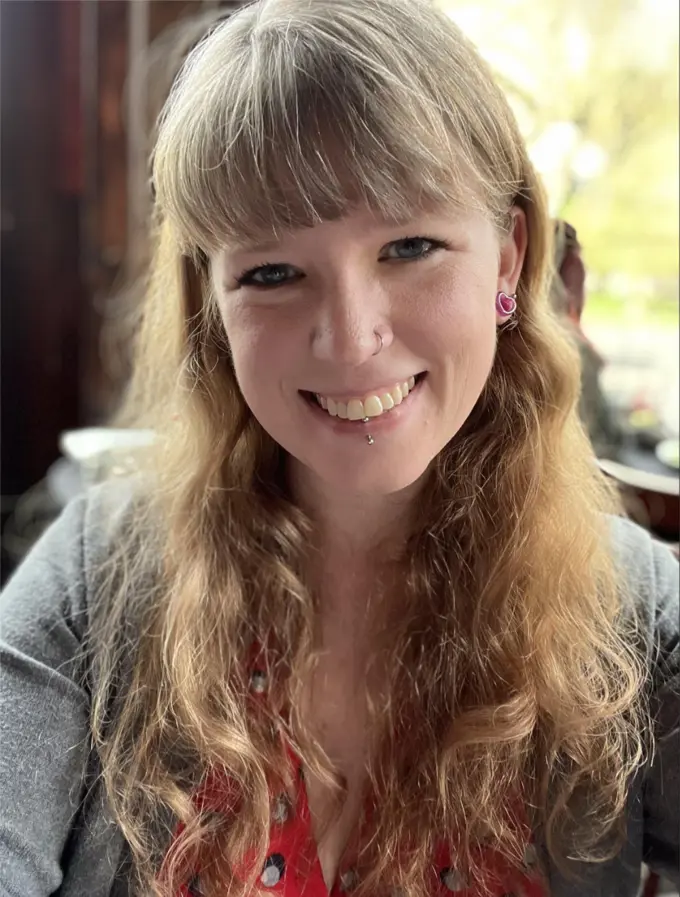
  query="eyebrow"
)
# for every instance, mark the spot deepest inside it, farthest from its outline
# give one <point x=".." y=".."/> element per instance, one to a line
<point x="255" y="247"/>
<point x="265" y="246"/>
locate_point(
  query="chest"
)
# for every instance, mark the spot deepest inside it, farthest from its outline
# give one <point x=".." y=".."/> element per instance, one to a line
<point x="334" y="710"/>
<point x="315" y="840"/>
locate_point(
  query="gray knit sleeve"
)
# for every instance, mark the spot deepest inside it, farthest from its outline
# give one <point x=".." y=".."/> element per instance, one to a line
<point x="44" y="709"/>
<point x="49" y="789"/>
<point x="662" y="784"/>
<point x="652" y="574"/>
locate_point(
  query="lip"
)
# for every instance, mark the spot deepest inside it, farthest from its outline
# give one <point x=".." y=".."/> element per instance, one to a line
<point x="383" y="423"/>
<point x="362" y="394"/>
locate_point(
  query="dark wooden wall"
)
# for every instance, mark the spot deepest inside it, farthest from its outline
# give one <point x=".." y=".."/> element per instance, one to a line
<point x="41" y="293"/>
<point x="73" y="176"/>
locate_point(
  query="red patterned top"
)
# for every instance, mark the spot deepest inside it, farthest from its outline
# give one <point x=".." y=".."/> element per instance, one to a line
<point x="292" y="867"/>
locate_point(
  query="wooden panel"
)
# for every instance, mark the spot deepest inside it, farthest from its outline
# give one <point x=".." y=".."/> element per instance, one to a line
<point x="41" y="294"/>
<point x="71" y="173"/>
<point x="137" y="54"/>
<point x="112" y="28"/>
<point x="163" y="13"/>
<point x="66" y="215"/>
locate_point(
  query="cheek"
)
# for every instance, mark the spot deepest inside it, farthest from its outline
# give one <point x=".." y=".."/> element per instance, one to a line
<point x="248" y="342"/>
<point x="461" y="314"/>
<point x="263" y="350"/>
<point x="461" y="336"/>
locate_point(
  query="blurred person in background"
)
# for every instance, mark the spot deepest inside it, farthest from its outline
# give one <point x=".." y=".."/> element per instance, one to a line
<point x="568" y="298"/>
<point x="318" y="651"/>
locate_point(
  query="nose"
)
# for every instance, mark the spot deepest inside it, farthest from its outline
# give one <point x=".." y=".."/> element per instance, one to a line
<point x="352" y="325"/>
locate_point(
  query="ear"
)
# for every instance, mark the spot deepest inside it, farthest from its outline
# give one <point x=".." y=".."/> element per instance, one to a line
<point x="512" y="252"/>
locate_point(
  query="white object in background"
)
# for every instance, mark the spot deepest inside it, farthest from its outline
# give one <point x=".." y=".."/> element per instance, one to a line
<point x="93" y="447"/>
<point x="668" y="452"/>
<point x="91" y="442"/>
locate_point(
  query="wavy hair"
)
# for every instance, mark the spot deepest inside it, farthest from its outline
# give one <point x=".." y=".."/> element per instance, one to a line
<point x="512" y="669"/>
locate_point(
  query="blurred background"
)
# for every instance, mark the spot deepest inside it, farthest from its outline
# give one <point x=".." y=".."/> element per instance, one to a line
<point x="594" y="87"/>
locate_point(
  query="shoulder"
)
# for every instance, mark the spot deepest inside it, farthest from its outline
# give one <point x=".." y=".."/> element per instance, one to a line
<point x="650" y="570"/>
<point x="48" y="764"/>
<point x="651" y="575"/>
<point x="53" y="582"/>
<point x="105" y="515"/>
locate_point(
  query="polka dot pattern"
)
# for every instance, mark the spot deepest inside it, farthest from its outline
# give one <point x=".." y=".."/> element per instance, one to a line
<point x="292" y="866"/>
<point x="274" y="869"/>
<point x="530" y="857"/>
<point x="281" y="809"/>
<point x="194" y="887"/>
<point x="453" y="881"/>
<point x="258" y="682"/>
<point x="348" y="881"/>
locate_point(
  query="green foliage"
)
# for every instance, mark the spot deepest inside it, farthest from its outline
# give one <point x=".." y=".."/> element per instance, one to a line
<point x="607" y="309"/>
<point x="602" y="77"/>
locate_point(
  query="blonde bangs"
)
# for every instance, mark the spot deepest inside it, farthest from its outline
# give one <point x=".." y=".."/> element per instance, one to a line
<point x="277" y="124"/>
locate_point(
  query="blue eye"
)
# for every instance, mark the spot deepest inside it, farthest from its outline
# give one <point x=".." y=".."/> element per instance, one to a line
<point x="412" y="248"/>
<point x="268" y="275"/>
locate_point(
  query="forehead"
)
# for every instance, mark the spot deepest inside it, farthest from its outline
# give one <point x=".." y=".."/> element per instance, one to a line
<point x="363" y="229"/>
<point x="359" y="222"/>
<point x="262" y="220"/>
<point x="253" y="146"/>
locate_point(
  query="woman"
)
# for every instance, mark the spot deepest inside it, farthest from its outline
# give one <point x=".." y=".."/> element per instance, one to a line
<point x="364" y="619"/>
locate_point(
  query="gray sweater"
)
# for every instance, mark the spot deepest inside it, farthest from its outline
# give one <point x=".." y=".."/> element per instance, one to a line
<point x="56" y="835"/>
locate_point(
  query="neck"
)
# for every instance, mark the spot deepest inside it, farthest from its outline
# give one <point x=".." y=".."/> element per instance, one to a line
<point x="352" y="526"/>
<point x="358" y="538"/>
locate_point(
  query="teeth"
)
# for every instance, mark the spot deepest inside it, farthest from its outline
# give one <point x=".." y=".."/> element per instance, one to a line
<point x="355" y="409"/>
<point x="371" y="406"/>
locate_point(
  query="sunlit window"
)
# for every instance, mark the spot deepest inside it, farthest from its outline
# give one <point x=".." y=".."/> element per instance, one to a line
<point x="595" y="89"/>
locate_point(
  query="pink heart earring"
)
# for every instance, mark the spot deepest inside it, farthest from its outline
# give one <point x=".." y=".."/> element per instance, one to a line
<point x="505" y="305"/>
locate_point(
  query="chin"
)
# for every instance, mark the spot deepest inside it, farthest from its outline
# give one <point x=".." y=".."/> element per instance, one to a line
<point x="374" y="476"/>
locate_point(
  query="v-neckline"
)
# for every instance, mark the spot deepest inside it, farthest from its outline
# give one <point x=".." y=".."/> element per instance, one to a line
<point x="346" y="864"/>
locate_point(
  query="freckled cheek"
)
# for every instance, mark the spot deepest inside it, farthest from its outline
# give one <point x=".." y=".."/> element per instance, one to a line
<point x="259" y="353"/>
<point x="461" y="322"/>
<point x="461" y="335"/>
<point x="245" y="342"/>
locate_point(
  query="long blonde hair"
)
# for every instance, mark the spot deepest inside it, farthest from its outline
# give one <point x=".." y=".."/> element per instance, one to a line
<point x="512" y="670"/>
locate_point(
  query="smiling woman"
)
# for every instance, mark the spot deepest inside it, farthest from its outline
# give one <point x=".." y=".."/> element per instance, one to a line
<point x="368" y="620"/>
<point x="352" y="312"/>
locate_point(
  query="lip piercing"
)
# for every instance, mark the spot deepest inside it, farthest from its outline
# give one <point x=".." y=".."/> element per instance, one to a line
<point x="379" y="349"/>
<point x="369" y="439"/>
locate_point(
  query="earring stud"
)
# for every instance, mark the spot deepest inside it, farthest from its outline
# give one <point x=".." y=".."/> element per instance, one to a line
<point x="505" y="305"/>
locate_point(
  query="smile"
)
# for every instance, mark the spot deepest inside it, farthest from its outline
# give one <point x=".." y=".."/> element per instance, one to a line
<point x="369" y="406"/>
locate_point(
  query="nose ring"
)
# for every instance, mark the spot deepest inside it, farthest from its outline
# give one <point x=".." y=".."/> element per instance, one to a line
<point x="379" y="349"/>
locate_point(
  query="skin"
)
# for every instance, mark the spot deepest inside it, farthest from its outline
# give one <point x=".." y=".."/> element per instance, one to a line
<point x="341" y="282"/>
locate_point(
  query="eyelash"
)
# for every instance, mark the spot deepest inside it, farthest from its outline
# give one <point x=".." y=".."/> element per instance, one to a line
<point x="244" y="278"/>
<point x="436" y="244"/>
